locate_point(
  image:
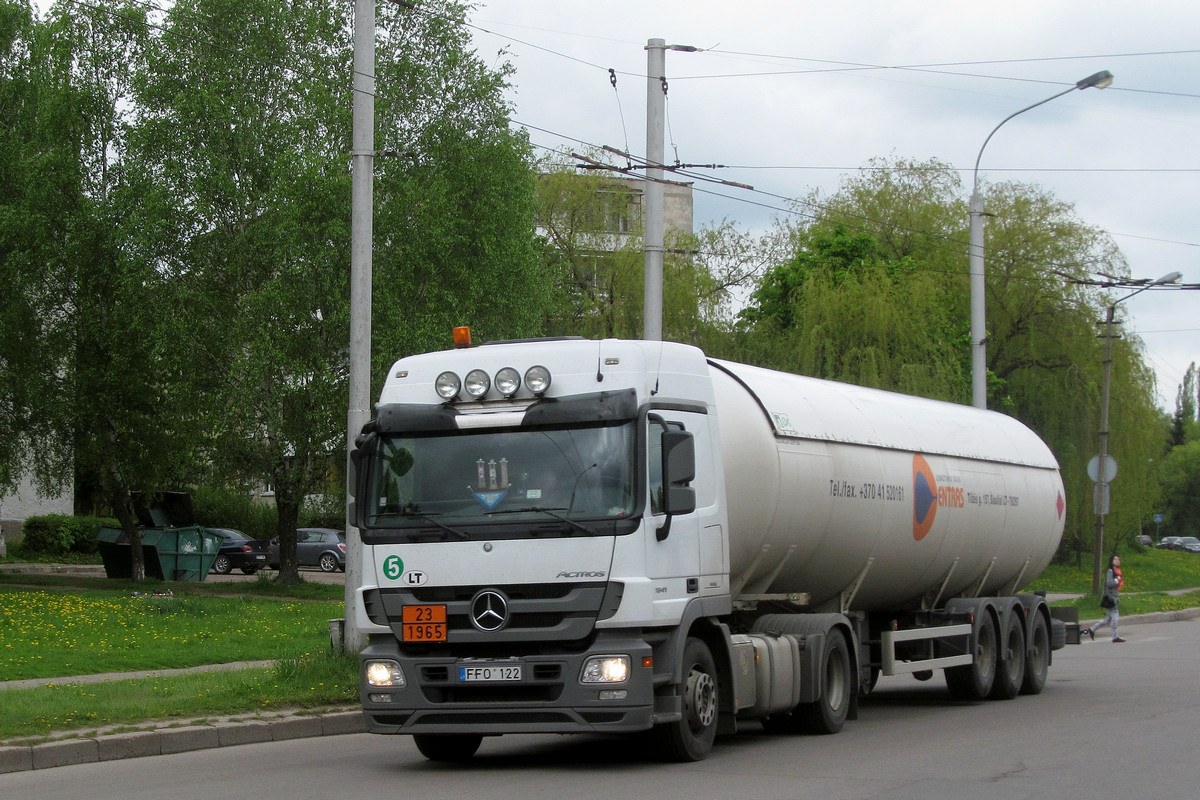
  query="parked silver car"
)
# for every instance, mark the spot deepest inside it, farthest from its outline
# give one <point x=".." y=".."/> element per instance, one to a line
<point x="315" y="547"/>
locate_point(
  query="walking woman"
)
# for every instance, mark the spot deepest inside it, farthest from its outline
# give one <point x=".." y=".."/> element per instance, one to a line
<point x="1111" y="599"/>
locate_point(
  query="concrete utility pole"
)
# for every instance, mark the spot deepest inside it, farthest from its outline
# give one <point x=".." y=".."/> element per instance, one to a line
<point x="362" y="199"/>
<point x="1102" y="461"/>
<point x="652" y="194"/>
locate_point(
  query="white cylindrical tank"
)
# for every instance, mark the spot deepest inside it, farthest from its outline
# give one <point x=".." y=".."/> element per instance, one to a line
<point x="874" y="500"/>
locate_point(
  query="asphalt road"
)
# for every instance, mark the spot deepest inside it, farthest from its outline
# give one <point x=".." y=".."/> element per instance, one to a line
<point x="1115" y="721"/>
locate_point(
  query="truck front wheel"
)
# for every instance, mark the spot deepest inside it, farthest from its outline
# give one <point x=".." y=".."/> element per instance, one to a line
<point x="691" y="738"/>
<point x="449" y="747"/>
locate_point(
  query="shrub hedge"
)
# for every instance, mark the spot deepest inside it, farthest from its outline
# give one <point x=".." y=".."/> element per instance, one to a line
<point x="58" y="535"/>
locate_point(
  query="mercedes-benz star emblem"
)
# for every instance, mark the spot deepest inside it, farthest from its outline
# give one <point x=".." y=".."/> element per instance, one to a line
<point x="489" y="611"/>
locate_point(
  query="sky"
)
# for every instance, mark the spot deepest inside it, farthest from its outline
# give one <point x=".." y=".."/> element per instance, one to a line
<point x="793" y="95"/>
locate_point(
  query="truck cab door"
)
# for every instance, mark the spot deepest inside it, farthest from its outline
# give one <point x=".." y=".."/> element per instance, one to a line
<point x="682" y="544"/>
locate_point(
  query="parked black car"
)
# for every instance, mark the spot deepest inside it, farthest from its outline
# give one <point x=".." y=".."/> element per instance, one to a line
<point x="1165" y="542"/>
<point x="239" y="550"/>
<point x="315" y="547"/>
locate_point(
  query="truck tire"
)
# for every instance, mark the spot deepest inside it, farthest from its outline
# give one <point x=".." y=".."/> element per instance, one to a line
<point x="1010" y="666"/>
<point x="691" y="738"/>
<point x="828" y="714"/>
<point x="1037" y="664"/>
<point x="974" y="681"/>
<point x="453" y="748"/>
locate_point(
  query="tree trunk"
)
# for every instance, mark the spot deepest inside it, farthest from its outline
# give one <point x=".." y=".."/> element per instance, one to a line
<point x="119" y="501"/>
<point x="287" y="507"/>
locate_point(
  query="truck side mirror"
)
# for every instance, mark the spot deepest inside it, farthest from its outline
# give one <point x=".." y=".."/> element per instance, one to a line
<point x="679" y="470"/>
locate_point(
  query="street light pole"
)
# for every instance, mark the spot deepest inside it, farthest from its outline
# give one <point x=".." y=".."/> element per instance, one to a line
<point x="1101" y="496"/>
<point x="975" y="233"/>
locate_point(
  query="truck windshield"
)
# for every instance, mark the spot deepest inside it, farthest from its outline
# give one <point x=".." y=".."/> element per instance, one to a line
<point x="454" y="479"/>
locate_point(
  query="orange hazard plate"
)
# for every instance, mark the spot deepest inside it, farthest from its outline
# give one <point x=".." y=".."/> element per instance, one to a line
<point x="424" y="623"/>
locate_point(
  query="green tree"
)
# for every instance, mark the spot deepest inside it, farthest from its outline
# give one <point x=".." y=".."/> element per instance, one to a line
<point x="868" y="296"/>
<point x="239" y="150"/>
<point x="1186" y="400"/>
<point x="1180" y="474"/>
<point x="30" y="160"/>
<point x="104" y="382"/>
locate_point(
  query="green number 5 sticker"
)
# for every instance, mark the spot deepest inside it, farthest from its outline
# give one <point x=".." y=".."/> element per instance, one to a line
<point x="393" y="567"/>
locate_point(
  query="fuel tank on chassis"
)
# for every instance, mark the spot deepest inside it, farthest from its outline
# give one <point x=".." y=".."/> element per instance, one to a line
<point x="831" y="485"/>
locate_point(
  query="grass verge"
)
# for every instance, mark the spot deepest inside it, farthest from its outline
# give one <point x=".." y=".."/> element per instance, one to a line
<point x="49" y="634"/>
<point x="302" y="680"/>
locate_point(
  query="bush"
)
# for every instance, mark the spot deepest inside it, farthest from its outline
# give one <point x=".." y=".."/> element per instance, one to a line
<point x="58" y="535"/>
<point x="324" y="511"/>
<point x="215" y="507"/>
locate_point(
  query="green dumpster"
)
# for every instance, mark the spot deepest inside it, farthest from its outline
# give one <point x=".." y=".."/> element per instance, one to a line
<point x="173" y="547"/>
<point x="170" y="554"/>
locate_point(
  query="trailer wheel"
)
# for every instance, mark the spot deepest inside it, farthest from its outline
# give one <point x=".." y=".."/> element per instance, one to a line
<point x="974" y="681"/>
<point x="691" y="738"/>
<point x="1010" y="672"/>
<point x="454" y="748"/>
<point x="828" y="714"/>
<point x="1037" y="665"/>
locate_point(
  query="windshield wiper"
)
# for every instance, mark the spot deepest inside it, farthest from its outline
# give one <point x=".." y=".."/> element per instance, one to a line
<point x="550" y="512"/>
<point x="412" y="512"/>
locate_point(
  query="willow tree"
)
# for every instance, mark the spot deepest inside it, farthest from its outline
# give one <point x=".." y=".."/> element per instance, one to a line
<point x="869" y="295"/>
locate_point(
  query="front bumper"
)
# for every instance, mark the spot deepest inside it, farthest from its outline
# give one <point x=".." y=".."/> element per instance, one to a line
<point x="548" y="699"/>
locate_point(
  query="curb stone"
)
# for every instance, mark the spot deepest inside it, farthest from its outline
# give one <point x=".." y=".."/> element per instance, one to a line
<point x="178" y="737"/>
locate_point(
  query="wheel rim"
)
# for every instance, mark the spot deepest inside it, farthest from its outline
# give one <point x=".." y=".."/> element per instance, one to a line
<point x="701" y="700"/>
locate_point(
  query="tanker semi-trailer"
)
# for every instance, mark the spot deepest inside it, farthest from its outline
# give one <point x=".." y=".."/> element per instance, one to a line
<point x="571" y="536"/>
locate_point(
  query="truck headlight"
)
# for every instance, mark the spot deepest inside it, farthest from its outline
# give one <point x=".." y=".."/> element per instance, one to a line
<point x="477" y="384"/>
<point x="447" y="385"/>
<point x="605" y="669"/>
<point x="537" y="379"/>
<point x="384" y="673"/>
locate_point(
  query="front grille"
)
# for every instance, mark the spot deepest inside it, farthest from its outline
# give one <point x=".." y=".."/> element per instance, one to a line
<point x="537" y="612"/>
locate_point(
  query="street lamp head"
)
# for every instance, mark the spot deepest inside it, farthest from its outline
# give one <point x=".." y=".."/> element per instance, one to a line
<point x="1170" y="277"/>
<point x="1100" y="80"/>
